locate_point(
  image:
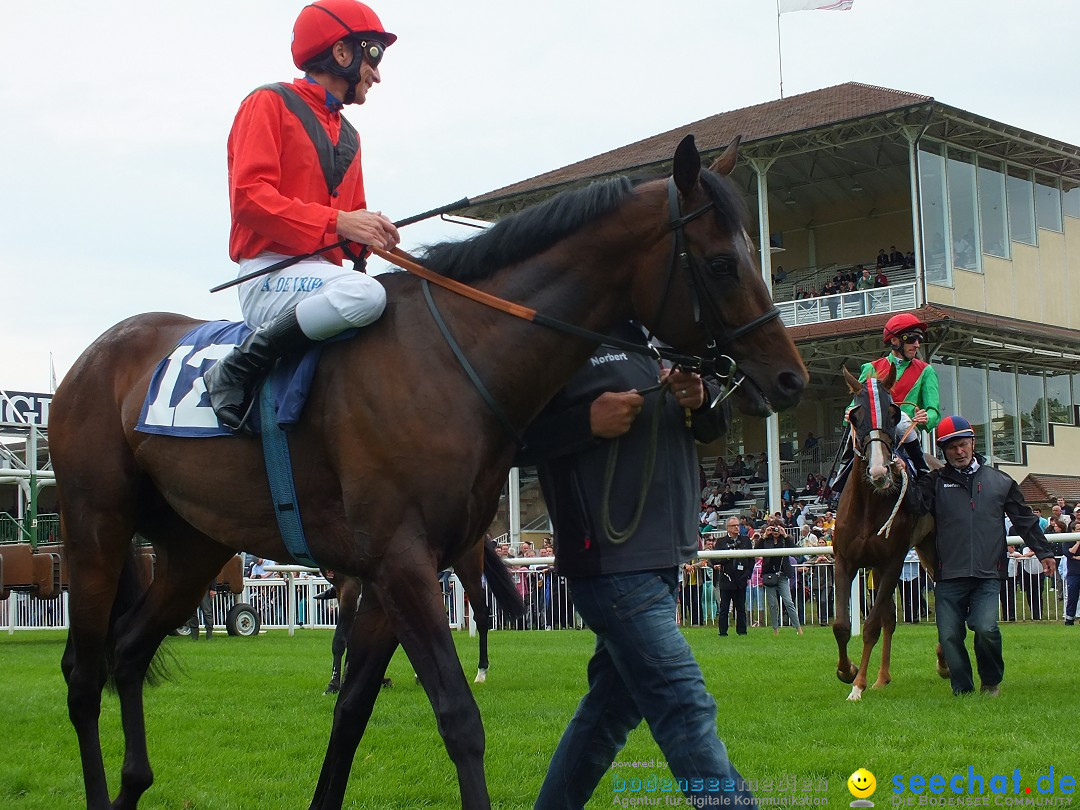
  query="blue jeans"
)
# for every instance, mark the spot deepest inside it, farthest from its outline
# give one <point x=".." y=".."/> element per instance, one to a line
<point x="974" y="602"/>
<point x="642" y="668"/>
<point x="777" y="595"/>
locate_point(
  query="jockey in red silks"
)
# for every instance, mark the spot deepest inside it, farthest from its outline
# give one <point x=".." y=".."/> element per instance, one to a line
<point x="296" y="185"/>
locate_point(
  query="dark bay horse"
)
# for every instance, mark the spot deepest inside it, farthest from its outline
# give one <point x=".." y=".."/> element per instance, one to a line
<point x="861" y="540"/>
<point x="399" y="460"/>
<point x="470" y="569"/>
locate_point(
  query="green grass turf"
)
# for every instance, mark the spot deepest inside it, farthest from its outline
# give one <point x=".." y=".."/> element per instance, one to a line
<point x="243" y="722"/>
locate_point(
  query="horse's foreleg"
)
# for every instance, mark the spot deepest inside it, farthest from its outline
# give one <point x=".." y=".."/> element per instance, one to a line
<point x="371" y="645"/>
<point x="888" y="627"/>
<point x="883" y="610"/>
<point x="843" y="574"/>
<point x="337" y="648"/>
<point x="415" y="606"/>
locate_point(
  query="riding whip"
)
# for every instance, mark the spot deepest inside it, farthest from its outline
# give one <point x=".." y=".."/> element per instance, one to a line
<point x="289" y="262"/>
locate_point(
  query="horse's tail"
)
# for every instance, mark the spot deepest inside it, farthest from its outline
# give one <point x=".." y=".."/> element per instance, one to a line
<point x="500" y="584"/>
<point x="131" y="590"/>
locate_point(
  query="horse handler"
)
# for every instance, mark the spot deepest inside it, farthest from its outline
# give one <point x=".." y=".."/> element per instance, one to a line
<point x="619" y="541"/>
<point x="967" y="498"/>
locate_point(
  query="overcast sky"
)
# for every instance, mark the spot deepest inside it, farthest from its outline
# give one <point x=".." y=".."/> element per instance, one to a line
<point x="115" y="116"/>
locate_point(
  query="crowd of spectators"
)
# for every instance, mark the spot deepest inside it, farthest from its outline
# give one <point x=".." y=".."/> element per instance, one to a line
<point x="854" y="279"/>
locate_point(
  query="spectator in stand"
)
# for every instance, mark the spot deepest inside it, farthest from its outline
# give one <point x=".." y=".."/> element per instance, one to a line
<point x="895" y="256"/>
<point x="777" y="574"/>
<point x="1065" y="510"/>
<point x="692" y="590"/>
<point x="812" y="485"/>
<point x="1072" y="581"/>
<point x="832" y="289"/>
<point x="779" y="276"/>
<point x="727" y="499"/>
<point x="258" y="568"/>
<point x="761" y="470"/>
<point x="1057" y="513"/>
<point x="810" y="446"/>
<point x="881" y="280"/>
<point x="882" y="258"/>
<point x="821" y="583"/>
<point x="909" y="260"/>
<point x="730" y="578"/>
<point x="865" y="282"/>
<point x="828" y="522"/>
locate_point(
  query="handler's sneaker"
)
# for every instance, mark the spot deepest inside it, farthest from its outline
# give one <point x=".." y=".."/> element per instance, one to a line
<point x="992" y="691"/>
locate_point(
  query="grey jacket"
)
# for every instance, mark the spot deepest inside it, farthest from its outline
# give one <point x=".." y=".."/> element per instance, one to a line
<point x="572" y="464"/>
<point x="969" y="520"/>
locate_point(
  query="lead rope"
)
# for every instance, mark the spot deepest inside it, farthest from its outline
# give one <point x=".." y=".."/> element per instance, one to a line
<point x="619" y="536"/>
<point x="903" y="489"/>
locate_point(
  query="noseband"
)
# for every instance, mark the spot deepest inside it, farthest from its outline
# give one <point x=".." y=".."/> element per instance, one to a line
<point x="718" y="336"/>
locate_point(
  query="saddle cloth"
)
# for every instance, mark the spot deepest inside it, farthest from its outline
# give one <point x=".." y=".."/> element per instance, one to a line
<point x="176" y="402"/>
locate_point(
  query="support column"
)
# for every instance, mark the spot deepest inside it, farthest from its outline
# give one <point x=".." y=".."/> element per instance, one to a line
<point x="513" y="498"/>
<point x="772" y="424"/>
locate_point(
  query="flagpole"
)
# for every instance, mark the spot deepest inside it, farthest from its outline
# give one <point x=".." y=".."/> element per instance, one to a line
<point x="779" y="49"/>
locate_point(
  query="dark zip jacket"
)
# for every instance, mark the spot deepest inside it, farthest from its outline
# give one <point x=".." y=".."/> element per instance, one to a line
<point x="969" y="520"/>
<point x="733" y="573"/>
<point x="571" y="463"/>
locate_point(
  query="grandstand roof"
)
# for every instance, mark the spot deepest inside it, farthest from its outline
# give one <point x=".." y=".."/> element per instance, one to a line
<point x="842" y="117"/>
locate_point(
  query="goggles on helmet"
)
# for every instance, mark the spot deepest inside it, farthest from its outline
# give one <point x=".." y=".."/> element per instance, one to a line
<point x="372" y="50"/>
<point x="912" y="337"/>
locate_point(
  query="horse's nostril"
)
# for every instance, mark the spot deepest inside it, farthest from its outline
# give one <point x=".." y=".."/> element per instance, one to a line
<point x="790" y="383"/>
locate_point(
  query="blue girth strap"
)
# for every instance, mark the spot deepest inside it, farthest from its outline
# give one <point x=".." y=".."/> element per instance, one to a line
<point x="279" y="471"/>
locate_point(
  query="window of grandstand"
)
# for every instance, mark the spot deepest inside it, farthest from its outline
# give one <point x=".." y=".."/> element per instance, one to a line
<point x="971" y="386"/>
<point x="1032" y="394"/>
<point x="962" y="196"/>
<point x="1003" y="412"/>
<point x="1070" y="200"/>
<point x="1059" y="398"/>
<point x="1019" y="188"/>
<point x="946" y="372"/>
<point x="1047" y="203"/>
<point x="934" y="221"/>
<point x="993" y="217"/>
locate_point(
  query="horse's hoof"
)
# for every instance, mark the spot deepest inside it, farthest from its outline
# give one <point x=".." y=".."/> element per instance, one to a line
<point x="881" y="684"/>
<point x="856" y="693"/>
<point x="332" y="688"/>
<point x="481" y="676"/>
<point x="848" y="676"/>
<point x="943" y="673"/>
<point x="388" y="684"/>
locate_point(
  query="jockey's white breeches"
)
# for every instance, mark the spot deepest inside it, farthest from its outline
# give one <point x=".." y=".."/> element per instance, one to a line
<point x="901" y="428"/>
<point x="328" y="298"/>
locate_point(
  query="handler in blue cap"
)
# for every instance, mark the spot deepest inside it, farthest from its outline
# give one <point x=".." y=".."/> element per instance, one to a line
<point x="968" y="499"/>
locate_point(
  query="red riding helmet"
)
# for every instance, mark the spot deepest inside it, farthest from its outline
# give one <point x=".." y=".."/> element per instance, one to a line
<point x="904" y="322"/>
<point x="324" y="22"/>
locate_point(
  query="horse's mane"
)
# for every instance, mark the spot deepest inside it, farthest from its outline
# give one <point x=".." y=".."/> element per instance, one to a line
<point x="535" y="229"/>
<point x="525" y="234"/>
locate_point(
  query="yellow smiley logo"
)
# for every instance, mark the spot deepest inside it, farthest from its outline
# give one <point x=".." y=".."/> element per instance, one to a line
<point x="861" y="783"/>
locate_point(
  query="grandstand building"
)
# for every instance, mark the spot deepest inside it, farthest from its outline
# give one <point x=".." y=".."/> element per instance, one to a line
<point x="990" y="214"/>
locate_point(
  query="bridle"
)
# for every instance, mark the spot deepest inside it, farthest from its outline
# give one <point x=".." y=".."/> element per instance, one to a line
<point x="718" y="336"/>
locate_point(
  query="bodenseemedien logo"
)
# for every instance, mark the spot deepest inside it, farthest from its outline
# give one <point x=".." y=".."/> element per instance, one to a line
<point x="862" y="785"/>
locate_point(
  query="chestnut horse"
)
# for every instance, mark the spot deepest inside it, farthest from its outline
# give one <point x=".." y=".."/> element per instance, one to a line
<point x="401" y="455"/>
<point x="866" y="537"/>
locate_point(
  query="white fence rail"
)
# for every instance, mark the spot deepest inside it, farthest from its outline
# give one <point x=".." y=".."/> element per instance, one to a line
<point x="288" y="603"/>
<point x="894" y="298"/>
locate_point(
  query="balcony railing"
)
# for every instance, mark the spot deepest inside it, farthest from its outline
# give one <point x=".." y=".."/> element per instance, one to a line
<point x="894" y="298"/>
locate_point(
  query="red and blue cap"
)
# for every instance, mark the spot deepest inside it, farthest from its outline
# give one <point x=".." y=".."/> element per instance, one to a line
<point x="954" y="427"/>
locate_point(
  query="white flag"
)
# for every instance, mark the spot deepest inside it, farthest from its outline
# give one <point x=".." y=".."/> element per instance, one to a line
<point x="814" y="5"/>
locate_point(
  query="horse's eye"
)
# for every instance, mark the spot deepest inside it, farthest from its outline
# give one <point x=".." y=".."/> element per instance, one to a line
<point x="722" y="265"/>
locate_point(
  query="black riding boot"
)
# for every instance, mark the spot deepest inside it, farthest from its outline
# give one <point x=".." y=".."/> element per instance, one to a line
<point x="913" y="450"/>
<point x="232" y="380"/>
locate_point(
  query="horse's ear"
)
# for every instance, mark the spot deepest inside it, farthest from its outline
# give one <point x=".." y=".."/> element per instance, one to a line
<point x="890" y="378"/>
<point x="852" y="381"/>
<point x="726" y="162"/>
<point x="687" y="165"/>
